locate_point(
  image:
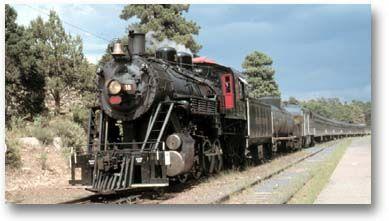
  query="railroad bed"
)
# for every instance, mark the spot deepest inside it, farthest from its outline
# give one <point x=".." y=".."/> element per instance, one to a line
<point x="303" y="182"/>
<point x="281" y="187"/>
<point x="229" y="186"/>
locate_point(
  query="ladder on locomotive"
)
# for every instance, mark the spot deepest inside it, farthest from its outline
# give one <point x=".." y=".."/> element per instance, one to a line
<point x="91" y="128"/>
<point x="157" y="126"/>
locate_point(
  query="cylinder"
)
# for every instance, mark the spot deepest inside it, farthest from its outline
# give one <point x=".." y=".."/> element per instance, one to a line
<point x="184" y="59"/>
<point x="136" y="43"/>
<point x="166" y="53"/>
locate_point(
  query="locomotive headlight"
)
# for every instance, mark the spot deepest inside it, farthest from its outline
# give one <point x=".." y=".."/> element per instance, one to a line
<point x="114" y="87"/>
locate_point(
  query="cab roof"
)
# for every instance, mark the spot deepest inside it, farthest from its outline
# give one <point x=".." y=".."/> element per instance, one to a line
<point x="203" y="60"/>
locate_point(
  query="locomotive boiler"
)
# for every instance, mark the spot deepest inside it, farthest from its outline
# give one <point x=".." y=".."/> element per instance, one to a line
<point x="132" y="83"/>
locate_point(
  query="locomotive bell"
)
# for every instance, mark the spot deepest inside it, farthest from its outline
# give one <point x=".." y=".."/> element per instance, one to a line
<point x="117" y="50"/>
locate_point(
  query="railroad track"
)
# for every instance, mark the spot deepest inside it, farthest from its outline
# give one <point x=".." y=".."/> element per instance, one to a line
<point x="148" y="196"/>
<point x="228" y="196"/>
<point x="152" y="196"/>
<point x="121" y="198"/>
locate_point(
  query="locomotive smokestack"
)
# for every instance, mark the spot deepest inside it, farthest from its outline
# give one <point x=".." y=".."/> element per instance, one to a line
<point x="136" y="43"/>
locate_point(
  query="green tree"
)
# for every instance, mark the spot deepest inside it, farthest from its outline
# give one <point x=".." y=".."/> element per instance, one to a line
<point x="257" y="66"/>
<point x="24" y="82"/>
<point x="87" y="84"/>
<point x="362" y="111"/>
<point x="333" y="108"/>
<point x="166" y="21"/>
<point x="105" y="58"/>
<point x="61" y="58"/>
<point x="293" y="100"/>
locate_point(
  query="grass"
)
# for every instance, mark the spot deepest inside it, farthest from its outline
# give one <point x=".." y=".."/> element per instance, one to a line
<point x="321" y="174"/>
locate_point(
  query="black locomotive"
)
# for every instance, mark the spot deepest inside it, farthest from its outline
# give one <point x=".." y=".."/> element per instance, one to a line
<point x="170" y="117"/>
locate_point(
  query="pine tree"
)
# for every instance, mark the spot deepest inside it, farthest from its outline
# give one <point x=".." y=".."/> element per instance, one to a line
<point x="257" y="66"/>
<point x="61" y="58"/>
<point x="166" y="21"/>
<point x="24" y="82"/>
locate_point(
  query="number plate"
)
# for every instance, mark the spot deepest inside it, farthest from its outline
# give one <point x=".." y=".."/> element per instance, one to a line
<point x="127" y="87"/>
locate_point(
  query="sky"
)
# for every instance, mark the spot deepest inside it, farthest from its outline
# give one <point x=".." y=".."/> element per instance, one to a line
<point x="317" y="50"/>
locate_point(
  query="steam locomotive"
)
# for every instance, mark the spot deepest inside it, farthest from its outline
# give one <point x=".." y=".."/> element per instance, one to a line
<point x="169" y="117"/>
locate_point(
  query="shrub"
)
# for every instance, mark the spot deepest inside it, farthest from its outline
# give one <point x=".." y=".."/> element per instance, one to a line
<point x="37" y="121"/>
<point x="40" y="130"/>
<point x="15" y="122"/>
<point x="81" y="116"/>
<point x="44" y="134"/>
<point x="71" y="133"/>
<point x="12" y="156"/>
<point x="17" y="127"/>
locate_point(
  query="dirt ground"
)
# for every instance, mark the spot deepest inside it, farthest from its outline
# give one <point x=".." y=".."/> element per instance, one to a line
<point x="42" y="179"/>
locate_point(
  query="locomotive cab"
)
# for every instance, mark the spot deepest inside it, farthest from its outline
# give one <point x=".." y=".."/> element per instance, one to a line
<point x="230" y="83"/>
